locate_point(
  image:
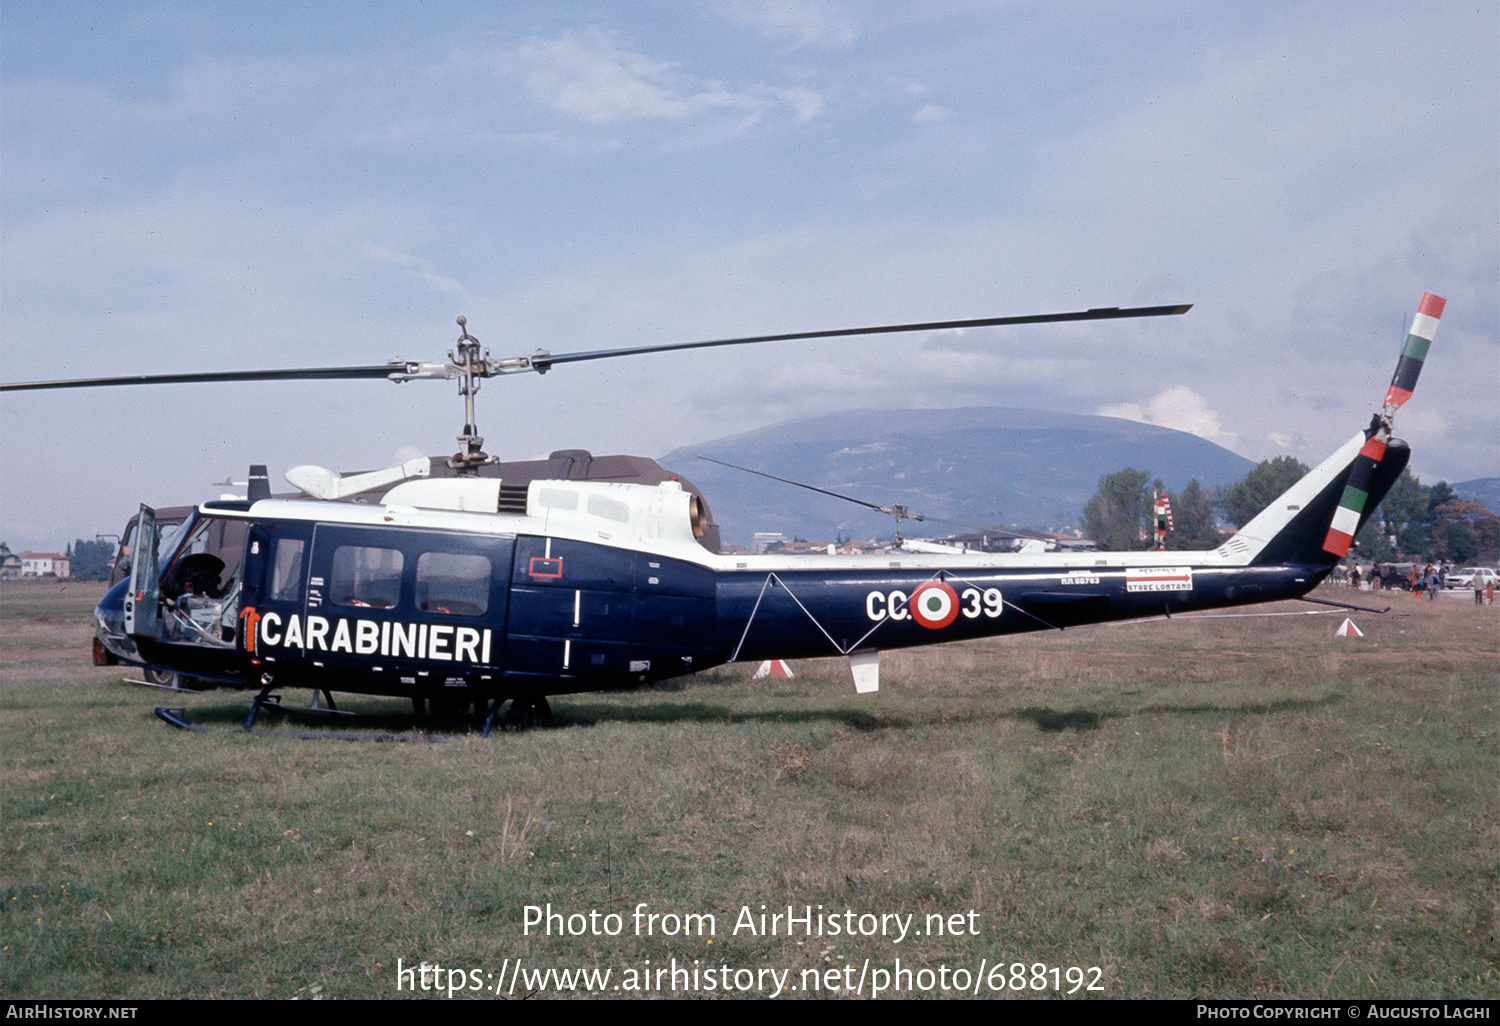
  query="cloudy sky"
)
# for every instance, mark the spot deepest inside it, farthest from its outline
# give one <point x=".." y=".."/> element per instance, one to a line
<point x="199" y="187"/>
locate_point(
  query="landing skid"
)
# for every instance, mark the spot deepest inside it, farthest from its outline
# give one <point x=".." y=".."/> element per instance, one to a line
<point x="272" y="702"/>
<point x="523" y="713"/>
<point x="177" y="717"/>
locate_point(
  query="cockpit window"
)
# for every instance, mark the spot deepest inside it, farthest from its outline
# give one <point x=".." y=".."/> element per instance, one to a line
<point x="366" y="576"/>
<point x="207" y="560"/>
<point x="168" y="536"/>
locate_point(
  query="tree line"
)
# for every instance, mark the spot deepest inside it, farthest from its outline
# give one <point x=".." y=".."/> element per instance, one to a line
<point x="90" y="560"/>
<point x="1414" y="522"/>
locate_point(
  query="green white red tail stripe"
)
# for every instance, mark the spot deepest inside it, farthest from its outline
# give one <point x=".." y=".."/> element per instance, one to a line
<point x="1423" y="327"/>
<point x="1346" y="518"/>
<point x="1357" y="492"/>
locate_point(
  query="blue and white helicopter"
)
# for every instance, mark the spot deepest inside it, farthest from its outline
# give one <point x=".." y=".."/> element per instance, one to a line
<point x="454" y="585"/>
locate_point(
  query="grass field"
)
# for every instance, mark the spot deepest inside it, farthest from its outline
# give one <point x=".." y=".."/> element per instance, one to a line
<point x="1224" y="807"/>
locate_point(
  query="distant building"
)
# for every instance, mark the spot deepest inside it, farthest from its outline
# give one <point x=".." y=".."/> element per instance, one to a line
<point x="999" y="539"/>
<point x="803" y="548"/>
<point x="1018" y="539"/>
<point x="765" y="539"/>
<point x="45" y="564"/>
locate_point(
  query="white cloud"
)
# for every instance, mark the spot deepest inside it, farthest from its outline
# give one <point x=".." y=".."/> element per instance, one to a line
<point x="798" y="22"/>
<point x="930" y="112"/>
<point x="590" y="76"/>
<point x="421" y="269"/>
<point x="1179" y="408"/>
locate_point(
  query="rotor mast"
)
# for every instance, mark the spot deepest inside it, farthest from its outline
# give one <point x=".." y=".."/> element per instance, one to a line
<point x="471" y="367"/>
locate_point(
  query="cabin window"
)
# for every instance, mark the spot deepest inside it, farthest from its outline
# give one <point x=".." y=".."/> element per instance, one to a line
<point x="454" y="583"/>
<point x="286" y="577"/>
<point x="364" y="575"/>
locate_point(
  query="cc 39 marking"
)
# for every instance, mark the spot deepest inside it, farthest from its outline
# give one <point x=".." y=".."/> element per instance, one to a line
<point x="971" y="603"/>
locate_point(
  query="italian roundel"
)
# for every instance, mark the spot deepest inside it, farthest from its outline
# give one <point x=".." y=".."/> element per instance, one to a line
<point x="934" y="605"/>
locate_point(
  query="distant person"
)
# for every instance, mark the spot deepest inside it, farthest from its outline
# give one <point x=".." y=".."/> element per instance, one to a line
<point x="1489" y="593"/>
<point x="1377" y="579"/>
<point x="1478" y="591"/>
<point x="1354" y="577"/>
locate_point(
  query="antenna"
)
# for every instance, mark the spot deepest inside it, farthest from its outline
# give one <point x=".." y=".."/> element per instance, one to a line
<point x="895" y="509"/>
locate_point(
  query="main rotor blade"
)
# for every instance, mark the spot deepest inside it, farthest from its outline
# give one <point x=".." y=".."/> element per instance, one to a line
<point x="543" y="361"/>
<point x="823" y="491"/>
<point x="313" y="373"/>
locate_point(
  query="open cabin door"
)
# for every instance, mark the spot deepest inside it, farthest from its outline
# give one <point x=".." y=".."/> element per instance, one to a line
<point x="142" y="601"/>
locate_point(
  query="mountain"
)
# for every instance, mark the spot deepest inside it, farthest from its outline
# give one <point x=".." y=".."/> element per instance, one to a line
<point x="972" y="467"/>
<point x="1482" y="489"/>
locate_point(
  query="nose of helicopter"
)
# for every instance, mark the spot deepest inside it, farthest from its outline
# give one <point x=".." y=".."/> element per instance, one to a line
<point x="110" y="641"/>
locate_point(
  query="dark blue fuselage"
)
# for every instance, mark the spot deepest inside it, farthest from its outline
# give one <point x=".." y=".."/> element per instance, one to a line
<point x="423" y="612"/>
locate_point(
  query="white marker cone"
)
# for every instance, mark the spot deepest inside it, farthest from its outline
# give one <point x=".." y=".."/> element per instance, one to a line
<point x="1348" y="630"/>
<point x="773" y="668"/>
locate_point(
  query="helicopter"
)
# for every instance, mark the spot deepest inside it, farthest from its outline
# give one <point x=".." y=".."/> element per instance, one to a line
<point x="455" y="584"/>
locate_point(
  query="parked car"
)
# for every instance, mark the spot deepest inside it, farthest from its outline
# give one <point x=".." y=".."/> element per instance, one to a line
<point x="1465" y="578"/>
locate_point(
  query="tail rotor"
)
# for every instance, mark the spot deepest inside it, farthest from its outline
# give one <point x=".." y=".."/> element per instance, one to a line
<point x="1351" y="509"/>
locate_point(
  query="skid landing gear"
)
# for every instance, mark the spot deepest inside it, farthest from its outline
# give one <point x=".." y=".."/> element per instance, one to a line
<point x="523" y="713"/>
<point x="260" y="699"/>
<point x="529" y="712"/>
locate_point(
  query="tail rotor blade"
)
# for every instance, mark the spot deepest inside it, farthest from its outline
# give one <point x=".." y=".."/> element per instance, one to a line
<point x="1356" y="494"/>
<point x="1351" y="510"/>
<point x="1414" y="353"/>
